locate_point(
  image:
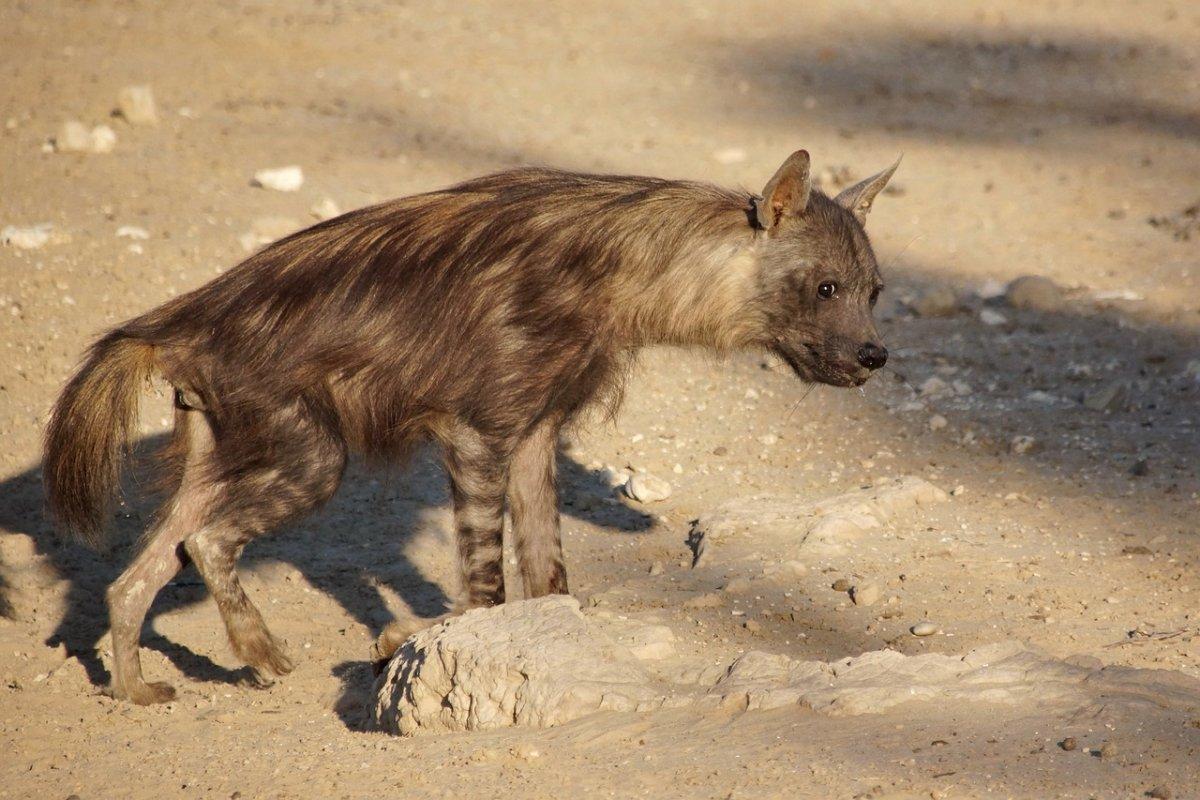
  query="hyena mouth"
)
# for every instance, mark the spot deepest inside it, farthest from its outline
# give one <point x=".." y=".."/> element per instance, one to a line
<point x="811" y="368"/>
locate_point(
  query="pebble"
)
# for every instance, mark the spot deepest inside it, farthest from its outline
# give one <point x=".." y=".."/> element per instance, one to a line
<point x="992" y="317"/>
<point x="132" y="232"/>
<point x="1022" y="444"/>
<point x="841" y="585"/>
<point x="136" y="105"/>
<point x="933" y="385"/>
<point x="657" y="568"/>
<point x="281" y="179"/>
<point x="1068" y="744"/>
<point x="753" y="626"/>
<point x="729" y="155"/>
<point x="326" y="209"/>
<point x="990" y="289"/>
<point x="646" y="488"/>
<point x="1035" y="292"/>
<point x="865" y="595"/>
<point x="924" y="629"/>
<point x="937" y="422"/>
<point x="939" y="302"/>
<point x="1160" y="793"/>
<point x="104" y="139"/>
<point x="1107" y="398"/>
<point x="73" y="137"/>
<point x="30" y="238"/>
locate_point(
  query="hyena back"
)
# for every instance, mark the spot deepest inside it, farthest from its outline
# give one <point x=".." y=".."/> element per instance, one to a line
<point x="484" y="316"/>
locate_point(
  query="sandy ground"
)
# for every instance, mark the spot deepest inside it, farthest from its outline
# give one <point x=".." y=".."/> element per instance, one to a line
<point x="1038" y="138"/>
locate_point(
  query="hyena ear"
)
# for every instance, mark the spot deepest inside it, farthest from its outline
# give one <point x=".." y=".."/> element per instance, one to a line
<point x="786" y="194"/>
<point x="858" y="198"/>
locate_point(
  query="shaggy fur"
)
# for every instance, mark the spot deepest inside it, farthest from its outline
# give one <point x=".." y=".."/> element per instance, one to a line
<point x="484" y="316"/>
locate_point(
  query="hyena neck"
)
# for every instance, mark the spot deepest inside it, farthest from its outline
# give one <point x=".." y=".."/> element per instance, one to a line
<point x="702" y="294"/>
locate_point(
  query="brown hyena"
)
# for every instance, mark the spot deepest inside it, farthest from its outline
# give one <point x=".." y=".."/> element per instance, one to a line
<point x="484" y="316"/>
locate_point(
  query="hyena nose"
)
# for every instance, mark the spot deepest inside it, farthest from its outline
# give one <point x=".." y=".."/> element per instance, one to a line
<point x="872" y="356"/>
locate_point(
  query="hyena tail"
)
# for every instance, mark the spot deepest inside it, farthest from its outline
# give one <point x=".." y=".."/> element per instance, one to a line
<point x="89" y="432"/>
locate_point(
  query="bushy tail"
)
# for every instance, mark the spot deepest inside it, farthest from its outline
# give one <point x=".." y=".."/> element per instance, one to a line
<point x="89" y="432"/>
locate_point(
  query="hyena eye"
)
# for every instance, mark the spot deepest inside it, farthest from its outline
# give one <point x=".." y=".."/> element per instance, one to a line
<point x="827" y="290"/>
<point x="875" y="296"/>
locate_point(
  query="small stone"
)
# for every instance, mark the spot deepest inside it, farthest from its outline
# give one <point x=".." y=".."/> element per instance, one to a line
<point x="937" y="422"/>
<point x="933" y="386"/>
<point x="753" y="626"/>
<point x="841" y="585"/>
<point x="990" y="289"/>
<point x="136" y="105"/>
<point x="1068" y="744"/>
<point x="657" y="568"/>
<point x="992" y="317"/>
<point x="646" y="488"/>
<point x="865" y="595"/>
<point x="958" y="491"/>
<point x="281" y="179"/>
<point x="73" y="137"/>
<point x="938" y="302"/>
<point x="1108" y="398"/>
<point x="1160" y="793"/>
<point x="104" y="139"/>
<point x="30" y="238"/>
<point x="132" y="232"/>
<point x="924" y="629"/>
<point x="1035" y="292"/>
<point x="729" y="155"/>
<point x="326" y="209"/>
<point x="1022" y="444"/>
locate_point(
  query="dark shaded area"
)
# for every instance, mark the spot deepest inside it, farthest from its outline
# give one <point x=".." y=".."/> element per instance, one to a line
<point x="1000" y="86"/>
<point x="351" y="576"/>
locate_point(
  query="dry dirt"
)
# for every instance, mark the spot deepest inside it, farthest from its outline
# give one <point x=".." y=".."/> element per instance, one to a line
<point x="1038" y="138"/>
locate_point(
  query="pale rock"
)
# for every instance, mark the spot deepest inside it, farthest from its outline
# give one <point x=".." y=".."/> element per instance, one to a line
<point x="132" y="232"/>
<point x="326" y="209"/>
<point x="1035" y="292"/>
<point x="924" y="629"/>
<point x="136" y="104"/>
<point x="1112" y="397"/>
<point x="73" y="137"/>
<point x="933" y="386"/>
<point x="936" y="302"/>
<point x="866" y="594"/>
<point x="30" y="238"/>
<point x="646" y="488"/>
<point x="1022" y="444"/>
<point x="103" y="139"/>
<point x="990" y="289"/>
<point x="729" y="155"/>
<point x="281" y="179"/>
<point x="937" y="422"/>
<point x="992" y="318"/>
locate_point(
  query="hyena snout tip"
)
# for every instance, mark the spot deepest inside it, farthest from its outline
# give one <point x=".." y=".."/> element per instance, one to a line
<point x="872" y="356"/>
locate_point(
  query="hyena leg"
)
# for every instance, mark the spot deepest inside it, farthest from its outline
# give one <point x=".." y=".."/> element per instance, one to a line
<point x="130" y="596"/>
<point x="302" y="471"/>
<point x="477" y="466"/>
<point x="533" y="504"/>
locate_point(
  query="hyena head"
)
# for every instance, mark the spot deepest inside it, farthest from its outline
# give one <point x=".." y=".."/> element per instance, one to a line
<point x="819" y="278"/>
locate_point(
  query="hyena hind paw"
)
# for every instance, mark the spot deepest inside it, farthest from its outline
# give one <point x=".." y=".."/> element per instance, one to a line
<point x="143" y="694"/>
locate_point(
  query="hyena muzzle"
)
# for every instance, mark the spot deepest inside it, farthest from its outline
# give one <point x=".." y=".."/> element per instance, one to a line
<point x="484" y="316"/>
